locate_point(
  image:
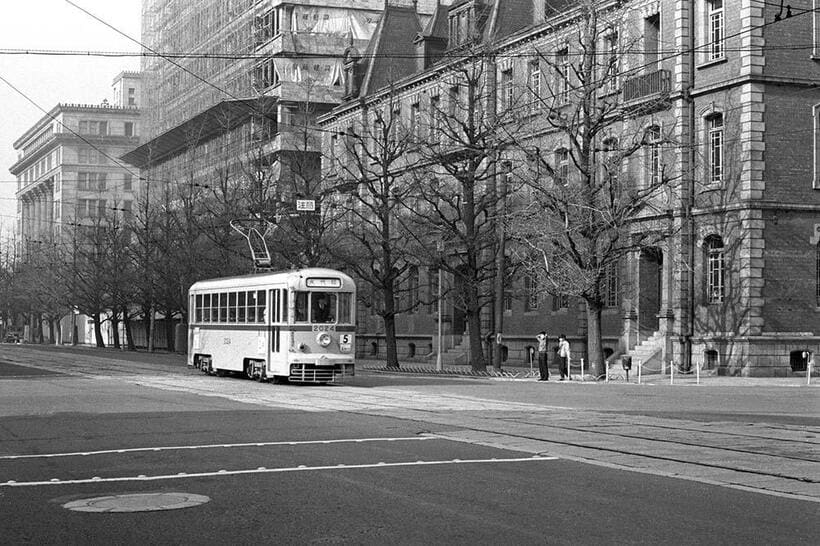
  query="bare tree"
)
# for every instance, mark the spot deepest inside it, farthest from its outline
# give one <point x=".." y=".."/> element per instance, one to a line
<point x="372" y="209"/>
<point x="458" y="185"/>
<point x="587" y="209"/>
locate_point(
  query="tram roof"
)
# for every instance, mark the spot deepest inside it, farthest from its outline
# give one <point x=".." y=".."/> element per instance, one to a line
<point x="264" y="279"/>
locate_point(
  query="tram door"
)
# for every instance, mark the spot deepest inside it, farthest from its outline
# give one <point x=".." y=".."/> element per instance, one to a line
<point x="276" y="324"/>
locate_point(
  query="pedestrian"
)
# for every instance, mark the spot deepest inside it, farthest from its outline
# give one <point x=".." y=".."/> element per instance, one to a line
<point x="563" y="357"/>
<point x="542" y="356"/>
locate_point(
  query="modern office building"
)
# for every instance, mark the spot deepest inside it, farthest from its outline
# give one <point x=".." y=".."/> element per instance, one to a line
<point x="253" y="77"/>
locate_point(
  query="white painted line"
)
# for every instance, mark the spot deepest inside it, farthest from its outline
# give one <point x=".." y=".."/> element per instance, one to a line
<point x="143" y="478"/>
<point x="216" y="446"/>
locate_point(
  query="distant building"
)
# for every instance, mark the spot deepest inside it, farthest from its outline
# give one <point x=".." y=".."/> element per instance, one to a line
<point x="68" y="169"/>
<point x="254" y="77"/>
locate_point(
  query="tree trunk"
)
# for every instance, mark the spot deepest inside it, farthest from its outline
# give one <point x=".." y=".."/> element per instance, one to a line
<point x="151" y="326"/>
<point x="389" y="318"/>
<point x="129" y="337"/>
<point x="170" y="327"/>
<point x="98" y="330"/>
<point x="474" y="326"/>
<point x="595" y="350"/>
<point x="53" y="331"/>
<point x="115" y="327"/>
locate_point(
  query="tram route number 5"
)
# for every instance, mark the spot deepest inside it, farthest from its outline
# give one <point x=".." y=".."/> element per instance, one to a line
<point x="345" y="342"/>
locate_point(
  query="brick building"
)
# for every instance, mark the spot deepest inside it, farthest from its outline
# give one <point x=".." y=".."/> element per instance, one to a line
<point x="724" y="108"/>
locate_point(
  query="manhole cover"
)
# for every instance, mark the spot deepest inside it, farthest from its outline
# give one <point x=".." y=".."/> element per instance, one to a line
<point x="141" y="502"/>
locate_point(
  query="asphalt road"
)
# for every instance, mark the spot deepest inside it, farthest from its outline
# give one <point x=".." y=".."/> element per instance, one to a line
<point x="381" y="460"/>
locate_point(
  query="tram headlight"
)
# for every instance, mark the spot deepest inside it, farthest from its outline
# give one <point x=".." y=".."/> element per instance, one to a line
<point x="323" y="339"/>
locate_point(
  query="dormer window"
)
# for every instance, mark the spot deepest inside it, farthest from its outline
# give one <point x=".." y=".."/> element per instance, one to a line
<point x="461" y="24"/>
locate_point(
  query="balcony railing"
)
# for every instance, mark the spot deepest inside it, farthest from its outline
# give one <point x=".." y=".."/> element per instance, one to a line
<point x="647" y="86"/>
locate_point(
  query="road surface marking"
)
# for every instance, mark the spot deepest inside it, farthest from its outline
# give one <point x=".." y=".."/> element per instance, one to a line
<point x="143" y="478"/>
<point x="215" y="446"/>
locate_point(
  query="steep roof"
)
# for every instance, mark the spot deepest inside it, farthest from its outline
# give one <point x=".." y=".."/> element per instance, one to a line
<point x="389" y="55"/>
<point x="437" y="25"/>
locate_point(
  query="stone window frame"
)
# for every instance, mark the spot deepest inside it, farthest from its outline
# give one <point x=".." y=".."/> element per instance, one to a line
<point x="714" y="263"/>
<point x="815" y="110"/>
<point x="715" y="25"/>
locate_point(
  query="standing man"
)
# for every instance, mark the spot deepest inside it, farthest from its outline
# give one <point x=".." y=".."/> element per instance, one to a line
<point x="563" y="357"/>
<point x="542" y="356"/>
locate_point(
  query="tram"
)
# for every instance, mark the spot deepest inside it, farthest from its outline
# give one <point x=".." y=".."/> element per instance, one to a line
<point x="294" y="325"/>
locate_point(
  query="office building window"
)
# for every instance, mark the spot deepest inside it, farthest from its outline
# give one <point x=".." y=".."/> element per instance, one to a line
<point x="561" y="167"/>
<point x="654" y="167"/>
<point x="534" y="85"/>
<point x="507" y="91"/>
<point x="562" y="76"/>
<point x="715" y="269"/>
<point x="716" y="29"/>
<point x="714" y="142"/>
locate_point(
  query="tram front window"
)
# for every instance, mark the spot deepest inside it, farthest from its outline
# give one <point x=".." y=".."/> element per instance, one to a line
<point x="323" y="307"/>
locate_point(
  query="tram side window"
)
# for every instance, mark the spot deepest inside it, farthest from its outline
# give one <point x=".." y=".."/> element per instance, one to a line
<point x="300" y="307"/>
<point x="251" y="306"/>
<point x="232" y="307"/>
<point x="260" y="306"/>
<point x="240" y="306"/>
<point x="284" y="317"/>
<point x="223" y="307"/>
<point x="198" y="308"/>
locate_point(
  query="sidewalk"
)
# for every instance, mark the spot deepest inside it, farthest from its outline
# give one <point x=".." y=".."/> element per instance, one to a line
<point x="508" y="372"/>
<point x="513" y="372"/>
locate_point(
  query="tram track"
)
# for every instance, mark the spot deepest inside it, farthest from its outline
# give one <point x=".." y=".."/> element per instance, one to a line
<point x="759" y="455"/>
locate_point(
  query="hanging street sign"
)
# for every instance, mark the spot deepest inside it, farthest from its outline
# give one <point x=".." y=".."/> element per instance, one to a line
<point x="305" y="205"/>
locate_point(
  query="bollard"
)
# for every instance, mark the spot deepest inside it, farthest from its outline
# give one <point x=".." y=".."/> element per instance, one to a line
<point x="582" y="369"/>
<point x="697" y="371"/>
<point x="606" y="371"/>
<point x="671" y="372"/>
<point x="639" y="372"/>
<point x="809" y="366"/>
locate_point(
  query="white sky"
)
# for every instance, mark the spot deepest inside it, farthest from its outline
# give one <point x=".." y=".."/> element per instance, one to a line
<point x="56" y="25"/>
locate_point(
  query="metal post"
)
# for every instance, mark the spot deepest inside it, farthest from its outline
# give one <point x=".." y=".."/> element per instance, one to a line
<point x="606" y="370"/>
<point x="697" y="371"/>
<point x="809" y="366"/>
<point x="438" y="355"/>
<point x="582" y="369"/>
<point x="671" y="372"/>
<point x="639" y="372"/>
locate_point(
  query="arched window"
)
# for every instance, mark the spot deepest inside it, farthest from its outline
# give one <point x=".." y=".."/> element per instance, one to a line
<point x="715" y="269"/>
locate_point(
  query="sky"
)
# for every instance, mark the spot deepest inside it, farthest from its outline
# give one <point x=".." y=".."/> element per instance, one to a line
<point x="43" y="81"/>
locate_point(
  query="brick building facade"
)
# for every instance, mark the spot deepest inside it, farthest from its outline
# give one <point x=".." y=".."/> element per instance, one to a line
<point x="726" y="103"/>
